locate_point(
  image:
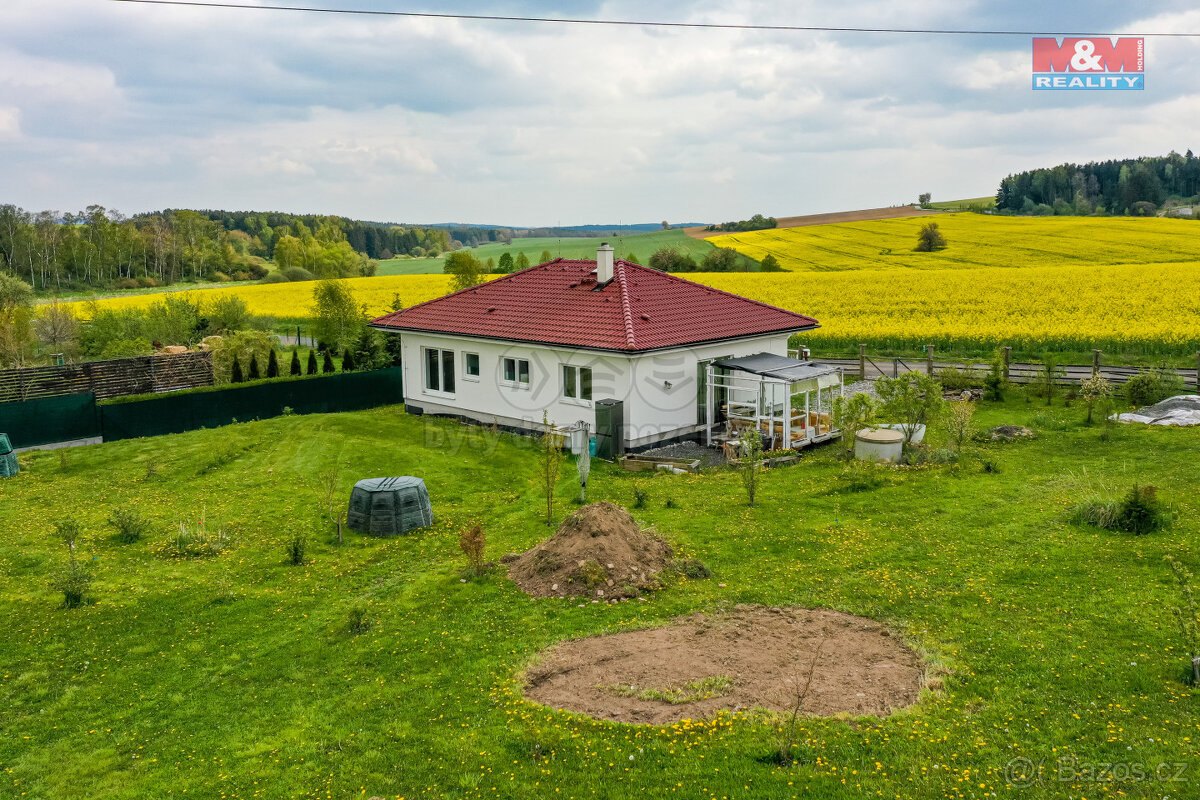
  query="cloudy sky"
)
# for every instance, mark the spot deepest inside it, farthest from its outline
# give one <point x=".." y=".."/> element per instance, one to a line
<point x="137" y="107"/>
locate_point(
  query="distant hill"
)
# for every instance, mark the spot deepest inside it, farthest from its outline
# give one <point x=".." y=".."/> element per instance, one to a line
<point x="580" y="231"/>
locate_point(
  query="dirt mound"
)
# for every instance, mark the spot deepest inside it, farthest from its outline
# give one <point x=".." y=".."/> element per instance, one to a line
<point x="749" y="658"/>
<point x="599" y="551"/>
<point x="1007" y="433"/>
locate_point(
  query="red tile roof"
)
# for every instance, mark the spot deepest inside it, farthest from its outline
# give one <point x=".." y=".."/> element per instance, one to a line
<point x="558" y="303"/>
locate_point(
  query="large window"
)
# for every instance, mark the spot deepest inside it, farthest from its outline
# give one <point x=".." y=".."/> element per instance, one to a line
<point x="516" y="371"/>
<point x="577" y="382"/>
<point x="439" y="370"/>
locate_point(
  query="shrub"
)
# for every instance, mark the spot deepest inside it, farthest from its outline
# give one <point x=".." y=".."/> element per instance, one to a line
<point x="473" y="542"/>
<point x="691" y="568"/>
<point x="912" y="400"/>
<point x="195" y="541"/>
<point x="1045" y="383"/>
<point x="954" y="379"/>
<point x="1096" y="391"/>
<point x="959" y="422"/>
<point x="129" y="525"/>
<point x="347" y="361"/>
<point x="146" y="282"/>
<point x="73" y="581"/>
<point x="327" y="364"/>
<point x="125" y="283"/>
<point x="852" y="414"/>
<point x="228" y="314"/>
<point x="751" y="464"/>
<point x="295" y="368"/>
<point x="253" y="373"/>
<point x="297" y="274"/>
<point x="275" y="277"/>
<point x="1187" y="617"/>
<point x="312" y="363"/>
<point x="641" y="496"/>
<point x="272" y="364"/>
<point x="994" y="382"/>
<point x="1139" y="512"/>
<point x="1152" y="385"/>
<point x="297" y="549"/>
<point x="235" y="371"/>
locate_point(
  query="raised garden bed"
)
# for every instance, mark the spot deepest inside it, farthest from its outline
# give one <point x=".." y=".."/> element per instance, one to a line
<point x="636" y="463"/>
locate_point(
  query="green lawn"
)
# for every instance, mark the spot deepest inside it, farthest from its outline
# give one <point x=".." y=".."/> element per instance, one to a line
<point x="237" y="677"/>
<point x="643" y="245"/>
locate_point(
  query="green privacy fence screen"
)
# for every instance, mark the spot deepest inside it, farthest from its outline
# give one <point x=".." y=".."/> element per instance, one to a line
<point x="345" y="391"/>
<point x="59" y="419"/>
<point x="46" y="420"/>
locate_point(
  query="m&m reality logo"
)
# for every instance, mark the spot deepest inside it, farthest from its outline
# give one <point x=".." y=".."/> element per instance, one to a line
<point x="1096" y="63"/>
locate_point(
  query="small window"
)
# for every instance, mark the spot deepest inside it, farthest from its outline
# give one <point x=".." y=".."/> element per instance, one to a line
<point x="516" y="371"/>
<point x="471" y="364"/>
<point x="439" y="370"/>
<point x="577" y="382"/>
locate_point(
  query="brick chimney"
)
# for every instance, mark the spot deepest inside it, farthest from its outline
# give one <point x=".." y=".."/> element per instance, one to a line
<point x="604" y="264"/>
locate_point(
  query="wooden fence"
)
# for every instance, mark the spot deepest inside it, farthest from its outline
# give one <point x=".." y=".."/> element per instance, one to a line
<point x="866" y="367"/>
<point x="117" y="378"/>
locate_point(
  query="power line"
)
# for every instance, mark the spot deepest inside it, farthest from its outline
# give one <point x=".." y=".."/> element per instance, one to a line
<point x="634" y="23"/>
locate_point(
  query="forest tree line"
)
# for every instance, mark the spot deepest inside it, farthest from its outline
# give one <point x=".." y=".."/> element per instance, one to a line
<point x="1136" y="186"/>
<point x="98" y="247"/>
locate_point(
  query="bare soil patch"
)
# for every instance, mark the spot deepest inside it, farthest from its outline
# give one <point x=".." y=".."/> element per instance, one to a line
<point x="599" y="551"/>
<point x="831" y="218"/>
<point x="751" y="657"/>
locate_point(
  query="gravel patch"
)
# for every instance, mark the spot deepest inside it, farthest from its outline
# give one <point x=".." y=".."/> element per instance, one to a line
<point x="709" y="456"/>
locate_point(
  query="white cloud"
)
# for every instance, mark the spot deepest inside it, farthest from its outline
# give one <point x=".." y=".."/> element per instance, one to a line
<point x="419" y="120"/>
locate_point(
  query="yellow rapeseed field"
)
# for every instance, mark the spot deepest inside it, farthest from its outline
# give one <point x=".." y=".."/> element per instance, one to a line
<point x="975" y="240"/>
<point x="1064" y="284"/>
<point x="295" y="300"/>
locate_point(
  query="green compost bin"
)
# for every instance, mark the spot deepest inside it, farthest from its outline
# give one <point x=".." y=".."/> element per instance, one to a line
<point x="8" y="459"/>
<point x="389" y="506"/>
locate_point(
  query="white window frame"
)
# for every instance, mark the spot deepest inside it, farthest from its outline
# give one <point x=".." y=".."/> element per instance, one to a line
<point x="441" y="371"/>
<point x="577" y="399"/>
<point x="469" y="376"/>
<point x="516" y="383"/>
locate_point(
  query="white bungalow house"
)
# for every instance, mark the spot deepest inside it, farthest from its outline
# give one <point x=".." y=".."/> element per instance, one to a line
<point x="595" y="341"/>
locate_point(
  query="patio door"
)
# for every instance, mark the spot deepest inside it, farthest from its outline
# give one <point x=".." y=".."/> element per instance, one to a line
<point x="720" y="394"/>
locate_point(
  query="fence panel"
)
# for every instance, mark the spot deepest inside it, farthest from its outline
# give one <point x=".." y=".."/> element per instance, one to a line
<point x="47" y="420"/>
<point x="346" y="391"/>
<point x="123" y="376"/>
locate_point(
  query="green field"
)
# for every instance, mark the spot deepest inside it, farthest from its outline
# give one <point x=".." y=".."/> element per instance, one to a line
<point x="966" y="205"/>
<point x="239" y="676"/>
<point x="643" y="245"/>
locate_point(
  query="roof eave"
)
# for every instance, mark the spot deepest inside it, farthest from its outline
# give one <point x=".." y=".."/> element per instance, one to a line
<point x="789" y="331"/>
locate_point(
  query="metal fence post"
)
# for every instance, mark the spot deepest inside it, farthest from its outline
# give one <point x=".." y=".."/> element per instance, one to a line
<point x="862" y="362"/>
<point x="1095" y="363"/>
<point x="1007" y="361"/>
<point x="895" y="368"/>
<point x="1198" y="370"/>
<point x="929" y="348"/>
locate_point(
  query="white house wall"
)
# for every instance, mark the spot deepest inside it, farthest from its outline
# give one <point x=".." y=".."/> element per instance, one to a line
<point x="659" y="389"/>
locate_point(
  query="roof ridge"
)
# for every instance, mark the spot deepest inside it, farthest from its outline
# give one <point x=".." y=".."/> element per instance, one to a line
<point x="626" y="310"/>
